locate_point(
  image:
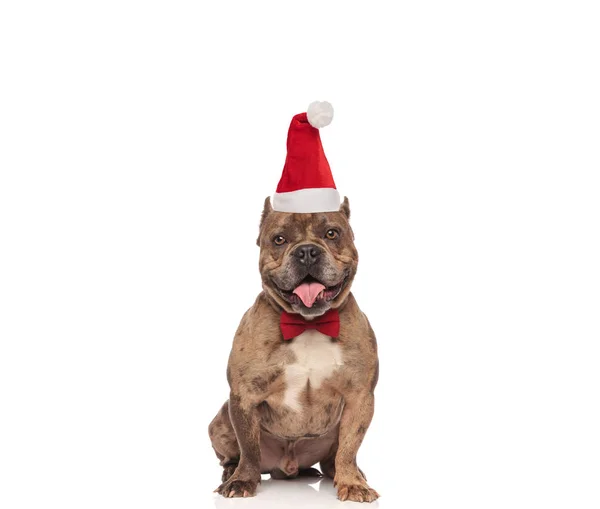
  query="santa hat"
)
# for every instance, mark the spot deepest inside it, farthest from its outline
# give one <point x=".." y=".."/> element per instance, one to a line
<point x="306" y="183"/>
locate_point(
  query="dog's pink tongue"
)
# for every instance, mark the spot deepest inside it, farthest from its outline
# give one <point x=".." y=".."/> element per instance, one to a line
<point x="309" y="292"/>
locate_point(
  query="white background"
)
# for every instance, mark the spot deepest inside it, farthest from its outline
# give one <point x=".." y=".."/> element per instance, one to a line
<point x="137" y="143"/>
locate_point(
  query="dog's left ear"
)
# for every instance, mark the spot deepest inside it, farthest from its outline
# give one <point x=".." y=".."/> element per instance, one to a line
<point x="267" y="209"/>
<point x="345" y="207"/>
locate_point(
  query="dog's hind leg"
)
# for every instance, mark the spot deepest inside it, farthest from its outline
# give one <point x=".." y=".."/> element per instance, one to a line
<point x="224" y="441"/>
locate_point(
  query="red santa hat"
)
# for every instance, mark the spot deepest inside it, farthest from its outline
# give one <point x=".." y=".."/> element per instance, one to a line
<point x="306" y="183"/>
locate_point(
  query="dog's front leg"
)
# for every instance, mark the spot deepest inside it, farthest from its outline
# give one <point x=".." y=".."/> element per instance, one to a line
<point x="246" y="423"/>
<point x="356" y="417"/>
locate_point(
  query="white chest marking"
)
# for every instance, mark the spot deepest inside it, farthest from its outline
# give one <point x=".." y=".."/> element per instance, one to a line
<point x="317" y="357"/>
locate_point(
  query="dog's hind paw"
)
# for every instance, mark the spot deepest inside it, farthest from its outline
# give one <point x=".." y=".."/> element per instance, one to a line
<point x="228" y="471"/>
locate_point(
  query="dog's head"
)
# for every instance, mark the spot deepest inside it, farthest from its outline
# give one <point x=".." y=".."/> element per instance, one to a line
<point x="307" y="261"/>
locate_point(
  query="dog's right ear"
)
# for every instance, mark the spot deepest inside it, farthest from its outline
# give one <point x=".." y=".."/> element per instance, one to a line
<point x="267" y="209"/>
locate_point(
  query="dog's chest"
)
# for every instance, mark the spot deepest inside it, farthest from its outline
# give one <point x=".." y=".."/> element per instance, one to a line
<point x="316" y="359"/>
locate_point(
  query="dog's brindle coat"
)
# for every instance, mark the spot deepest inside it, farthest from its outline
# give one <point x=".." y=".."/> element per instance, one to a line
<point x="308" y="400"/>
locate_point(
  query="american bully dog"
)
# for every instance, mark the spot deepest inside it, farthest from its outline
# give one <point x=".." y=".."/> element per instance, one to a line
<point x="303" y="365"/>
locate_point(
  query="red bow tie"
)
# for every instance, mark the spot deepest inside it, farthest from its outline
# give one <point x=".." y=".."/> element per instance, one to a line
<point x="294" y="325"/>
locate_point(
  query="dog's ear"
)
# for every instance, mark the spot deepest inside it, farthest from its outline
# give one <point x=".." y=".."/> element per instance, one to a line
<point x="267" y="209"/>
<point x="345" y="207"/>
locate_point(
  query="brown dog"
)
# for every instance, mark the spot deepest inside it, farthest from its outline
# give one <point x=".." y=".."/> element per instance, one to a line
<point x="310" y="399"/>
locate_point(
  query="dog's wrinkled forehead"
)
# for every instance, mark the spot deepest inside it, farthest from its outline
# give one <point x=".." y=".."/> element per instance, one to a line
<point x="302" y="227"/>
<point x="297" y="227"/>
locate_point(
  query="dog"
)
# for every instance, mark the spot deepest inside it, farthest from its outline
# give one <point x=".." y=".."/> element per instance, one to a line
<point x="298" y="402"/>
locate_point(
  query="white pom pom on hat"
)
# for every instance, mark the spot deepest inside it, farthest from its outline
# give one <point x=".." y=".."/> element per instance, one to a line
<point x="319" y="114"/>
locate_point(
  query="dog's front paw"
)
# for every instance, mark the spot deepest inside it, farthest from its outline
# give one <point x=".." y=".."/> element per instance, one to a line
<point x="356" y="492"/>
<point x="235" y="487"/>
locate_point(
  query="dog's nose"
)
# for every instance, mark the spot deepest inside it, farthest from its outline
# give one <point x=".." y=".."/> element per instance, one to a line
<point x="307" y="254"/>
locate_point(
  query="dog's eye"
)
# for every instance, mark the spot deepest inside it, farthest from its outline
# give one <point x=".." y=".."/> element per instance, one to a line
<point x="279" y="240"/>
<point x="331" y="234"/>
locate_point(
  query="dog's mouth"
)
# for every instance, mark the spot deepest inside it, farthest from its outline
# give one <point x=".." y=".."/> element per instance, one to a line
<point x="310" y="291"/>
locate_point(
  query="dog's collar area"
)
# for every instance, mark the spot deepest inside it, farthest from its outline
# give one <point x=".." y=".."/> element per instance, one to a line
<point x="292" y="325"/>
